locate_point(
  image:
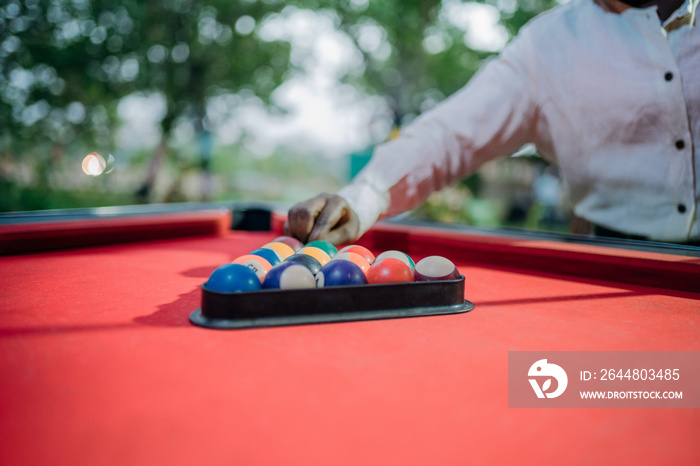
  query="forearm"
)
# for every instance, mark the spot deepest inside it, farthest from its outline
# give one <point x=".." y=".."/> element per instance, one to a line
<point x="491" y="117"/>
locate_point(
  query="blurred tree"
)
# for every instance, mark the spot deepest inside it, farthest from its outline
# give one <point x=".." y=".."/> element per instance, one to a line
<point x="65" y="64"/>
<point x="416" y="52"/>
<point x="48" y="54"/>
<point x="194" y="51"/>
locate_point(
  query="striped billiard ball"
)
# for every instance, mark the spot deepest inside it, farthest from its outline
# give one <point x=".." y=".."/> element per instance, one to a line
<point x="307" y="261"/>
<point x="361" y="250"/>
<point x="289" y="275"/>
<point x="434" y="268"/>
<point x="257" y="264"/>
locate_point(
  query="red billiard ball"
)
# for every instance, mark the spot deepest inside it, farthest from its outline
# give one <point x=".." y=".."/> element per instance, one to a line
<point x="340" y="273"/>
<point x="361" y="250"/>
<point x="394" y="254"/>
<point x="434" y="268"/>
<point x="289" y="275"/>
<point x="233" y="278"/>
<point x="389" y="270"/>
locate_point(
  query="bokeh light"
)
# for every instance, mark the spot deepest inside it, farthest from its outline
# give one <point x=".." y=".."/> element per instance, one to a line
<point x="94" y="164"/>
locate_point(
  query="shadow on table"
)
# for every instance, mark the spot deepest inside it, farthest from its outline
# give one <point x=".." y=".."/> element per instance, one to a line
<point x="174" y="314"/>
<point x="177" y="313"/>
<point x="200" y="272"/>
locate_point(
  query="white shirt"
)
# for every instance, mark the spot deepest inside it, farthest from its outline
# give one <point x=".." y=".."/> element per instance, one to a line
<point x="613" y="99"/>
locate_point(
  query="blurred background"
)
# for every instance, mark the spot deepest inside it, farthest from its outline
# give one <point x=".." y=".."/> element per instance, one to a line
<point x="107" y="103"/>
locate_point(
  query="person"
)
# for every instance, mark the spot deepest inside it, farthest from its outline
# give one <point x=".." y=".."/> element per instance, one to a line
<point x="607" y="90"/>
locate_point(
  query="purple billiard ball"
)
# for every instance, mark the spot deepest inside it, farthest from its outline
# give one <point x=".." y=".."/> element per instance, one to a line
<point x="340" y="273"/>
<point x="434" y="268"/>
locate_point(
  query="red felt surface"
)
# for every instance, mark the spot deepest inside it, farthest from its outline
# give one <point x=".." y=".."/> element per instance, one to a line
<point x="100" y="365"/>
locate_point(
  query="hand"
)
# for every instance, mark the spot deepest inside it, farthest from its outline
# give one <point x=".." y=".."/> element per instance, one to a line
<point x="325" y="217"/>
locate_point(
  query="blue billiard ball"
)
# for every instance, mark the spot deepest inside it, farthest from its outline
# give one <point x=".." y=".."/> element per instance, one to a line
<point x="268" y="254"/>
<point x="289" y="275"/>
<point x="231" y="278"/>
<point x="340" y="273"/>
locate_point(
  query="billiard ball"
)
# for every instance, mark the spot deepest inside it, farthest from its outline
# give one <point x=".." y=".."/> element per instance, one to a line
<point x="268" y="254"/>
<point x="257" y="264"/>
<point x="284" y="250"/>
<point x="355" y="258"/>
<point x="289" y="241"/>
<point x="340" y="273"/>
<point x="389" y="270"/>
<point x="402" y="256"/>
<point x="434" y="268"/>
<point x="361" y="250"/>
<point x="324" y="246"/>
<point x="233" y="278"/>
<point x="289" y="275"/>
<point x="316" y="253"/>
<point x="309" y="262"/>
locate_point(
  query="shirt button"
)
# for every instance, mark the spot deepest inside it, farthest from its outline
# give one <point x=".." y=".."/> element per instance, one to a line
<point x="668" y="76"/>
<point x="680" y="144"/>
<point x="681" y="208"/>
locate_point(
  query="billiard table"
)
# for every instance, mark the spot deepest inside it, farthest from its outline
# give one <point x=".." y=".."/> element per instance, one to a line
<point x="100" y="363"/>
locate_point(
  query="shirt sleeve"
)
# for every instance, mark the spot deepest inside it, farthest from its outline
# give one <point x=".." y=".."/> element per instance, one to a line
<point x="492" y="116"/>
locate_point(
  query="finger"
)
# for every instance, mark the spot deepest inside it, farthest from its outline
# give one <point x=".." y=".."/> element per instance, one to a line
<point x="345" y="233"/>
<point x="301" y="217"/>
<point x="333" y="215"/>
<point x="343" y="224"/>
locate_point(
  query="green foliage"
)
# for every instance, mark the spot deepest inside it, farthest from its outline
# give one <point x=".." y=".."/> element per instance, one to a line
<point x="191" y="51"/>
<point x="15" y="196"/>
<point x="65" y="65"/>
<point x="423" y="55"/>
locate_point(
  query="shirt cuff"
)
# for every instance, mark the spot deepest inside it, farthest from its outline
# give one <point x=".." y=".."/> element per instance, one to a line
<point x="367" y="202"/>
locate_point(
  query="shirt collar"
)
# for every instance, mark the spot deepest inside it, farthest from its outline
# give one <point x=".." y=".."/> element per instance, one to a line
<point x="685" y="15"/>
